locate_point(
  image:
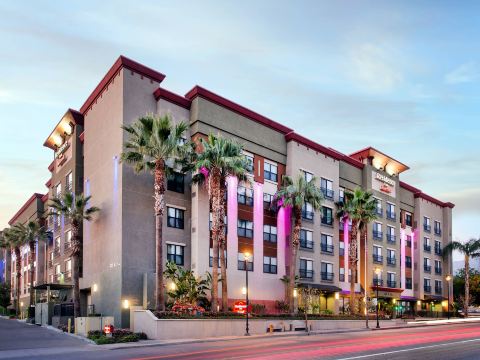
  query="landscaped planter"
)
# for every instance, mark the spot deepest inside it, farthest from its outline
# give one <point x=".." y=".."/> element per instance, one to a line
<point x="169" y="329"/>
<point x="91" y="323"/>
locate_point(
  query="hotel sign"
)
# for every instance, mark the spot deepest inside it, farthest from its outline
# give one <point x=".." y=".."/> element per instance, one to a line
<point x="383" y="183"/>
<point x="61" y="150"/>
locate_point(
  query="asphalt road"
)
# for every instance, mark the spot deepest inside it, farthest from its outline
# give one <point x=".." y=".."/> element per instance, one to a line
<point x="459" y="341"/>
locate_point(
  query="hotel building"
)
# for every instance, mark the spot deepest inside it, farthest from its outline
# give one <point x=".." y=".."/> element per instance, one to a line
<point x="404" y="244"/>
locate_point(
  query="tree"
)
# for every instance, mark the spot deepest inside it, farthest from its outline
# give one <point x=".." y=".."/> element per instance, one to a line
<point x="470" y="250"/>
<point x="5" y="295"/>
<point x="153" y="141"/>
<point x="31" y="233"/>
<point x="75" y="209"/>
<point x="294" y="194"/>
<point x="459" y="286"/>
<point x="220" y="159"/>
<point x="358" y="206"/>
<point x="187" y="289"/>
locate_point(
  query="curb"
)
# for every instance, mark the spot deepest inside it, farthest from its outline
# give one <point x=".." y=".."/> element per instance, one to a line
<point x="49" y="327"/>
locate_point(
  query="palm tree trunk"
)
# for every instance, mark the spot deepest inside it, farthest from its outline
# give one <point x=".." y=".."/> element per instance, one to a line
<point x="215" y="193"/>
<point x="159" y="191"/>
<point x="76" y="251"/>
<point x="18" y="269"/>
<point x="293" y="258"/>
<point x="222" y="244"/>
<point x="352" y="258"/>
<point x="32" y="270"/>
<point x="467" y="284"/>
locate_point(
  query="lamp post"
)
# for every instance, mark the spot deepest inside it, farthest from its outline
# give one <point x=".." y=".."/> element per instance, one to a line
<point x="246" y="257"/>
<point x="377" y="272"/>
<point x="448" y="278"/>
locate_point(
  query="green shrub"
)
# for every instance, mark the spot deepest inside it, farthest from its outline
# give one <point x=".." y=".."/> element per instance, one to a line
<point x="103" y="339"/>
<point x="142" y="336"/>
<point x="128" y="338"/>
<point x="258" y="309"/>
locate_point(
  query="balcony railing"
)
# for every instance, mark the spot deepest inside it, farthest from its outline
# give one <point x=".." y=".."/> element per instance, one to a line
<point x="438" y="251"/>
<point x="391" y="261"/>
<point x="327" y="221"/>
<point x="306" y="274"/>
<point x="68" y="245"/>
<point x="306" y="244"/>
<point x="438" y="270"/>
<point x="378" y="258"/>
<point x="377" y="235"/>
<point x="377" y="282"/>
<point x="438" y="231"/>
<point x="391" y="283"/>
<point x="341" y="198"/>
<point x="307" y="215"/>
<point x="391" y="215"/>
<point x="56" y="252"/>
<point x="391" y="238"/>
<point x="68" y="274"/>
<point x="427" y="228"/>
<point x="427" y="288"/>
<point x="427" y="268"/>
<point x="427" y="248"/>
<point x="50" y="263"/>
<point x="438" y="290"/>
<point x="327" y="276"/>
<point x="379" y="212"/>
<point x="326" y="248"/>
<point x="328" y="193"/>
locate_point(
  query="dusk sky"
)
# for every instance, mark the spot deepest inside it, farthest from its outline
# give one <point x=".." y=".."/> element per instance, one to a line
<point x="403" y="77"/>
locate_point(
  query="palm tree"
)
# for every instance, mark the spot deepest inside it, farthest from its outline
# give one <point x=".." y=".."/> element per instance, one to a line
<point x="31" y="233"/>
<point x="75" y="209"/>
<point x="153" y="142"/>
<point x="14" y="240"/>
<point x="359" y="207"/>
<point x="220" y="158"/>
<point x="470" y="250"/>
<point x="294" y="194"/>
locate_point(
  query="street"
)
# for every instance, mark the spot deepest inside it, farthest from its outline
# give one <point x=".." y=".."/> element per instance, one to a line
<point x="459" y="341"/>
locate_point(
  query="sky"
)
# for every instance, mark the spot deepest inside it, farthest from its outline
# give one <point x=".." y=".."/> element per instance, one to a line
<point x="403" y="77"/>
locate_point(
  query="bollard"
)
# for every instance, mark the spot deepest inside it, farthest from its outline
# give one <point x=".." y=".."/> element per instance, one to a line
<point x="69" y="325"/>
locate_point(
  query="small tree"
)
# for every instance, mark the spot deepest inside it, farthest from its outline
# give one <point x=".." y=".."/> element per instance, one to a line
<point x="13" y="239"/>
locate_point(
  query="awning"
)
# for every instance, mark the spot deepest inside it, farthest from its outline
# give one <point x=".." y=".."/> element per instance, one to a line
<point x="408" y="298"/>
<point x="53" y="287"/>
<point x="435" y="298"/>
<point x="322" y="287"/>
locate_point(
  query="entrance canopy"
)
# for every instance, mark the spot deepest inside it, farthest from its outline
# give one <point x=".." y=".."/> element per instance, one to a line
<point x="321" y="287"/>
<point x="53" y="287"/>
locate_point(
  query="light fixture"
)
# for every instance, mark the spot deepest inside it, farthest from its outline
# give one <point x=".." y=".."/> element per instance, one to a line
<point x="295" y="293"/>
<point x="394" y="301"/>
<point x="21" y="303"/>
<point x="448" y="278"/>
<point x="173" y="287"/>
<point x="337" y="296"/>
<point x="126" y="304"/>
<point x="244" y="290"/>
<point x="378" y="271"/>
<point x="246" y="256"/>
<point x="67" y="128"/>
<point x="419" y="302"/>
<point x="95" y="288"/>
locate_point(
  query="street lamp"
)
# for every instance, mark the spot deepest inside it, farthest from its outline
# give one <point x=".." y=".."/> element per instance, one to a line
<point x="246" y="257"/>
<point x="377" y="272"/>
<point x="448" y="278"/>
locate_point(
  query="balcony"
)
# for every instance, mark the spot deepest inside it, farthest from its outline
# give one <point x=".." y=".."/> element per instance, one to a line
<point x="377" y="235"/>
<point x="438" y="231"/>
<point x="438" y="251"/>
<point x="306" y="244"/>
<point x="56" y="252"/>
<point x="326" y="248"/>
<point x="427" y="268"/>
<point x="427" y="248"/>
<point x="341" y="198"/>
<point x="438" y="290"/>
<point x="57" y="277"/>
<point x="306" y="274"/>
<point x="327" y="221"/>
<point x="377" y="282"/>
<point x="67" y="245"/>
<point x="391" y="261"/>
<point x="438" y="270"/>
<point x="391" y="283"/>
<point x="50" y="263"/>
<point x="68" y="275"/>
<point x="379" y="212"/>
<point x="427" y="288"/>
<point x="378" y="259"/>
<point x="391" y="238"/>
<point x="328" y="193"/>
<point x="307" y="215"/>
<point x="391" y="215"/>
<point x="327" y="276"/>
<point x="427" y="227"/>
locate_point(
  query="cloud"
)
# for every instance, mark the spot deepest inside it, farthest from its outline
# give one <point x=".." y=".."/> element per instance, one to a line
<point x="467" y="72"/>
<point x="373" y="67"/>
<point x="466" y="200"/>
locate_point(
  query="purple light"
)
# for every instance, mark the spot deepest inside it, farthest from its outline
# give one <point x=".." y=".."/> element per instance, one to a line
<point x="204" y="171"/>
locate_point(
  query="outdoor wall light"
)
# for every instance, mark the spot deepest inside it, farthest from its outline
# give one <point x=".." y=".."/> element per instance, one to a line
<point x="173" y="287"/>
<point x="244" y="290"/>
<point x="419" y="302"/>
<point x="95" y="288"/>
<point x="337" y="296"/>
<point x="21" y="304"/>
<point x="126" y="304"/>
<point x="295" y="293"/>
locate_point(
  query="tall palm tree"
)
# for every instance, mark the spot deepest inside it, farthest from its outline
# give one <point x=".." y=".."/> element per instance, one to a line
<point x="295" y="193"/>
<point x="359" y="207"/>
<point x="220" y="158"/>
<point x="31" y="233"/>
<point x="14" y="240"/>
<point x="153" y="142"/>
<point x="75" y="209"/>
<point x="470" y="250"/>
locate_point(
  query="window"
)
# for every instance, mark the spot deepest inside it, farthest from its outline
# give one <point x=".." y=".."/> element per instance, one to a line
<point x="426" y="224"/>
<point x="270" y="172"/>
<point x="426" y="244"/>
<point x="438" y="267"/>
<point x="267" y="201"/>
<point x="210" y="260"/>
<point x="327" y="188"/>
<point x="326" y="244"/>
<point x="409" y="241"/>
<point x="306" y="239"/>
<point x="438" y="228"/>
<point x="270" y="233"/>
<point x="175" y="217"/>
<point x="426" y="285"/>
<point x="341" y="274"/>
<point x="249" y="160"/>
<point x="341" y="194"/>
<point x="241" y="262"/>
<point x="175" y="254"/>
<point x="307" y="211"/>
<point x="427" y="267"/>
<point x="225" y="223"/>
<point x="245" y="228"/>
<point x="58" y="272"/>
<point x="58" y="190"/>
<point x="377" y="254"/>
<point x="438" y="286"/>
<point x="378" y="207"/>
<point x="377" y="279"/>
<point x="306" y="269"/>
<point x="438" y="247"/>
<point x="308" y="176"/>
<point x="408" y="262"/>
<point x="391" y="257"/>
<point x="341" y="247"/>
<point x="326" y="271"/>
<point x="68" y="269"/>
<point x="57" y="246"/>
<point x="408" y="283"/>
<point x="245" y="196"/>
<point x="175" y="182"/>
<point x="391" y="283"/>
<point x="408" y="219"/>
<point x="391" y="234"/>
<point x="391" y="211"/>
<point x="69" y="182"/>
<point x="327" y="216"/>
<point x="269" y="265"/>
<point x="68" y="239"/>
<point x="377" y="231"/>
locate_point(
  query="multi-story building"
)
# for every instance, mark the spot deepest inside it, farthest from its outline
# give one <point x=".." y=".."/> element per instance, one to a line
<point x="119" y="245"/>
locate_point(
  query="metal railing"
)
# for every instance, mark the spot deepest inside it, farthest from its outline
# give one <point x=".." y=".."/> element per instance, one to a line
<point x="327" y="276"/>
<point x="326" y="248"/>
<point x="306" y="274"/>
<point x="391" y="215"/>
<point x="427" y="288"/>
<point x="427" y="268"/>
<point x="391" y="284"/>
<point x="427" y="247"/>
<point x="328" y="193"/>
<point x="427" y="228"/>
<point x="377" y="282"/>
<point x="377" y="235"/>
<point x="391" y="238"/>
<point x="307" y="215"/>
<point x="377" y="258"/>
<point x="391" y="261"/>
<point x="306" y="244"/>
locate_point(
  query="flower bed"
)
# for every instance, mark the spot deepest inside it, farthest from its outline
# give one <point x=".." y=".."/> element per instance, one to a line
<point x="118" y="336"/>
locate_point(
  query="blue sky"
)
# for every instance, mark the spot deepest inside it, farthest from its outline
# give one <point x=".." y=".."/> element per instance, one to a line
<point x="403" y="77"/>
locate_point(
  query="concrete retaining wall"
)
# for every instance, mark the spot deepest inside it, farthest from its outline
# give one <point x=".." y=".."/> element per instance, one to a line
<point x="170" y="329"/>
